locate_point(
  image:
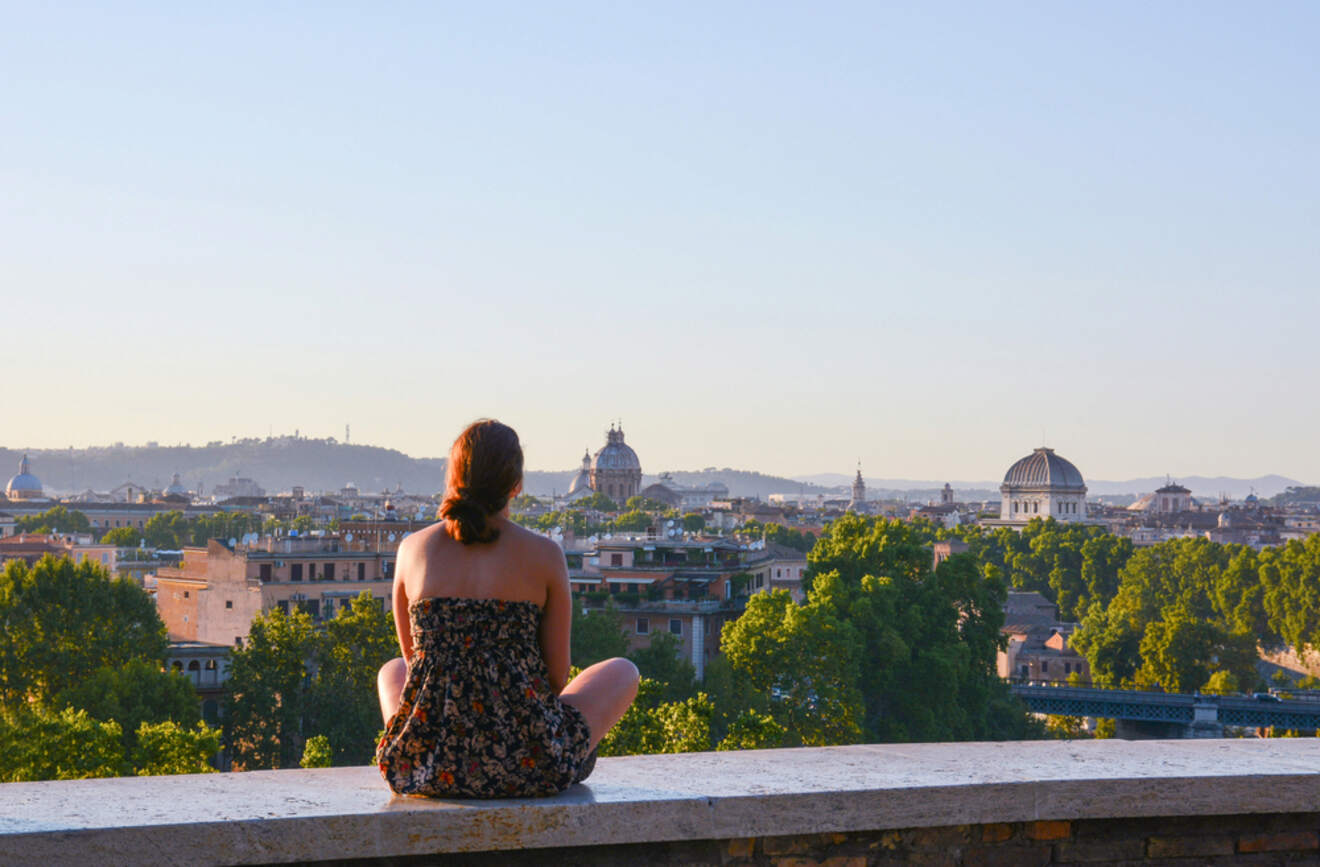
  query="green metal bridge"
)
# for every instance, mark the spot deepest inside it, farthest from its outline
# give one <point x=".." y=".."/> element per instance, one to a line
<point x="1162" y="707"/>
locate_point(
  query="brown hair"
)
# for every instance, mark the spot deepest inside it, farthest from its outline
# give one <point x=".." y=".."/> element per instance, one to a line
<point x="485" y="467"/>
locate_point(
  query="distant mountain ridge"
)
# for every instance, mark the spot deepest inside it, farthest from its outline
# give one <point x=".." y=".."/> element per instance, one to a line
<point x="276" y="464"/>
<point x="279" y="463"/>
<point x="1200" y="486"/>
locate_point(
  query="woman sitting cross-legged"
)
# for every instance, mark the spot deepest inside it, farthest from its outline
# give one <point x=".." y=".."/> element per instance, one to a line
<point x="479" y="705"/>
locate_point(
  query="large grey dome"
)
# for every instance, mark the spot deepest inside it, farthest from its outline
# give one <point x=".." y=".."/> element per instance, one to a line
<point x="1044" y="469"/>
<point x="616" y="454"/>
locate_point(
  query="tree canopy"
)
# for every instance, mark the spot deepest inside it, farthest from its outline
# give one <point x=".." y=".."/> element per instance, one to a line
<point x="56" y="519"/>
<point x="885" y="648"/>
<point x="290" y="681"/>
<point x="62" y="622"/>
<point x="83" y="690"/>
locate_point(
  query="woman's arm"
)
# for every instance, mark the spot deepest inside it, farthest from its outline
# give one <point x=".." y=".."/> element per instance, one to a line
<point x="557" y="619"/>
<point x="402" y="624"/>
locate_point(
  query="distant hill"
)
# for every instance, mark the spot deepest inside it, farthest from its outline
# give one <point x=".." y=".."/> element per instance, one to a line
<point x="277" y="464"/>
<point x="1205" y="487"/>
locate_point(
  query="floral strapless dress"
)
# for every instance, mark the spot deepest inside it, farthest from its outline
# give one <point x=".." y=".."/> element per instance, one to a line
<point x="478" y="717"/>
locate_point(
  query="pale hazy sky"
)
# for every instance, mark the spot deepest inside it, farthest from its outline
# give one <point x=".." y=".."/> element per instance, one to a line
<point x="768" y="236"/>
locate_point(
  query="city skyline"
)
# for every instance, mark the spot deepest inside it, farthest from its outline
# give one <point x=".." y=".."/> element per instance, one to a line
<point x="830" y="477"/>
<point x="765" y="238"/>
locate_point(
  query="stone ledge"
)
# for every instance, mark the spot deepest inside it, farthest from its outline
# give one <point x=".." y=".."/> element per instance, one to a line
<point x="347" y="813"/>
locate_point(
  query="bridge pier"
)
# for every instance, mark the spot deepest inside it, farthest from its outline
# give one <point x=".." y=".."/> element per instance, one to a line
<point x="1205" y="720"/>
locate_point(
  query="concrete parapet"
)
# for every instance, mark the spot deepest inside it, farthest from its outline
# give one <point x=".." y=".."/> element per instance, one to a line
<point x="1023" y="802"/>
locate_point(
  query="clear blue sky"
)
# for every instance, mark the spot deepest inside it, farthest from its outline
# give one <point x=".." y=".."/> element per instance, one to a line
<point x="769" y="236"/>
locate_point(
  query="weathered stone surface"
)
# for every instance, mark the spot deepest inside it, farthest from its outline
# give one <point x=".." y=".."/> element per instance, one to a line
<point x="346" y="813"/>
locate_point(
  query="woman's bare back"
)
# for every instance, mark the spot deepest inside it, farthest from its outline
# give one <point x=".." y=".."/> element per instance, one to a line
<point x="519" y="566"/>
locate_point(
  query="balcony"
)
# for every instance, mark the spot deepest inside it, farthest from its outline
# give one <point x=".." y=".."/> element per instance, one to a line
<point x="1038" y="802"/>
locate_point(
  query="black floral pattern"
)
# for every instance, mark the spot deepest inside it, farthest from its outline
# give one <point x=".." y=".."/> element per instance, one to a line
<point x="478" y="717"/>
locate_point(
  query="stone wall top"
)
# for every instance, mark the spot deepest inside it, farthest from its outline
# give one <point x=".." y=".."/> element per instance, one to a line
<point x="308" y="815"/>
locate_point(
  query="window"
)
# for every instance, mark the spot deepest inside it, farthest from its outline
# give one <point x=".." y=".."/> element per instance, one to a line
<point x="362" y="571"/>
<point x="283" y="605"/>
<point x="728" y="588"/>
<point x="675" y="626"/>
<point x="311" y="571"/>
<point x="229" y="603"/>
<point x="329" y="572"/>
<point x="779" y="573"/>
<point x="1044" y="665"/>
<point x="643" y="626"/>
<point x="1067" y="668"/>
<point x="616" y="559"/>
<point x="186" y="594"/>
<point x="265" y="572"/>
<point x="295" y="572"/>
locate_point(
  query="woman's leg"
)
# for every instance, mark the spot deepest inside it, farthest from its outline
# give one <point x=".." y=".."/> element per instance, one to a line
<point x="389" y="684"/>
<point x="603" y="693"/>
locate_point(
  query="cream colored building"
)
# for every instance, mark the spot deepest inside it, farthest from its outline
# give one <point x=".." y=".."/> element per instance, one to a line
<point x="216" y="591"/>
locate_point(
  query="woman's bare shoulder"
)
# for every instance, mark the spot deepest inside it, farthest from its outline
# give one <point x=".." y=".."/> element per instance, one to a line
<point x="532" y="543"/>
<point x="416" y="544"/>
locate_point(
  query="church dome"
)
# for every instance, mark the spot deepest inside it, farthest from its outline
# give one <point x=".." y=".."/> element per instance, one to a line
<point x="1044" y="469"/>
<point x="582" y="481"/>
<point x="616" y="454"/>
<point x="176" y="487"/>
<point x="23" y="486"/>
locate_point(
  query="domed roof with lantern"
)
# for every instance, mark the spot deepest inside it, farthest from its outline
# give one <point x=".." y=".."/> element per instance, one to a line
<point x="616" y="454"/>
<point x="24" y="485"/>
<point x="582" y="481"/>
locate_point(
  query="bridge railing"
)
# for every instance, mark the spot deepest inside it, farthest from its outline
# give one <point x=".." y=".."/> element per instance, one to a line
<point x="1147" y="706"/>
